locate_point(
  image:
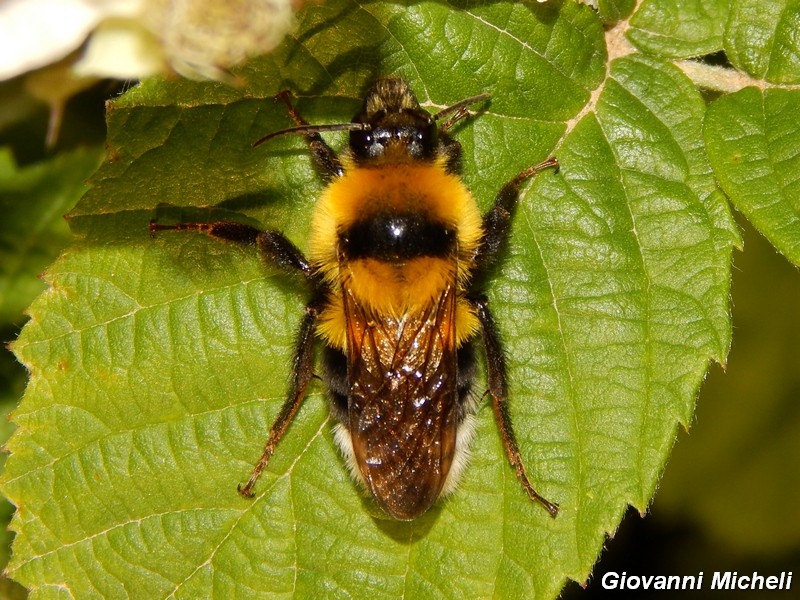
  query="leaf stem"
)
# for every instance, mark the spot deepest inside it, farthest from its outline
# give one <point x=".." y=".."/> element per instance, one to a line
<point x="717" y="78"/>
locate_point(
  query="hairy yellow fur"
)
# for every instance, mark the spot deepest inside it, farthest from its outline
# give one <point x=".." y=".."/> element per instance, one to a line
<point x="404" y="288"/>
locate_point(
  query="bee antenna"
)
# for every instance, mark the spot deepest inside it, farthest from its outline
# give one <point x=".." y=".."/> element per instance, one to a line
<point x="459" y="109"/>
<point x="304" y="129"/>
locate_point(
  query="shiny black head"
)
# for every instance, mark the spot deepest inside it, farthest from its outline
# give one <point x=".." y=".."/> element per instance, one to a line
<point x="391" y="128"/>
<point x="397" y="129"/>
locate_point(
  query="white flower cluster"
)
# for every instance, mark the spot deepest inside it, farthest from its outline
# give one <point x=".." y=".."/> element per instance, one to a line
<point x="130" y="39"/>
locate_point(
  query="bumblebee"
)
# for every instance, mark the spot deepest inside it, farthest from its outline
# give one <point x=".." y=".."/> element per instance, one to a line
<point x="397" y="254"/>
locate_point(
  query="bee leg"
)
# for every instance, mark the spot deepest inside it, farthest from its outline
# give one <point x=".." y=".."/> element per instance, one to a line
<point x="277" y="250"/>
<point x="325" y="159"/>
<point x="497" y="222"/>
<point x="273" y="246"/>
<point x="498" y="389"/>
<point x="302" y="372"/>
<point x="449" y="148"/>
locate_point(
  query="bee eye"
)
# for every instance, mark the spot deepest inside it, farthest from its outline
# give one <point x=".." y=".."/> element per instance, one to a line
<point x="361" y="142"/>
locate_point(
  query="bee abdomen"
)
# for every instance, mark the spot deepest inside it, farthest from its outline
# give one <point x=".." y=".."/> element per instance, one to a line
<point x="396" y="236"/>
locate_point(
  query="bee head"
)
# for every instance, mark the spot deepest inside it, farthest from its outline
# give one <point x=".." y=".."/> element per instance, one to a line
<point x="391" y="127"/>
<point x="396" y="127"/>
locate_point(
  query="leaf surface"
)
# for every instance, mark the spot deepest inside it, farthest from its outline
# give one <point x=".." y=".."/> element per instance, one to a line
<point x="33" y="200"/>
<point x="680" y="29"/>
<point x="761" y="39"/>
<point x="753" y="141"/>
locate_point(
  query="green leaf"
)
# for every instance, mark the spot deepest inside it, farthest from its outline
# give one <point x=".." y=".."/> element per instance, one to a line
<point x="754" y="144"/>
<point x="158" y="365"/>
<point x="32" y="233"/>
<point x="12" y="383"/>
<point x="761" y="39"/>
<point x="680" y="29"/>
<point x="612" y="11"/>
<point x="32" y="230"/>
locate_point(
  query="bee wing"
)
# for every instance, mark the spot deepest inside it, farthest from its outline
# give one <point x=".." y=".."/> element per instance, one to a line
<point x="402" y="406"/>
